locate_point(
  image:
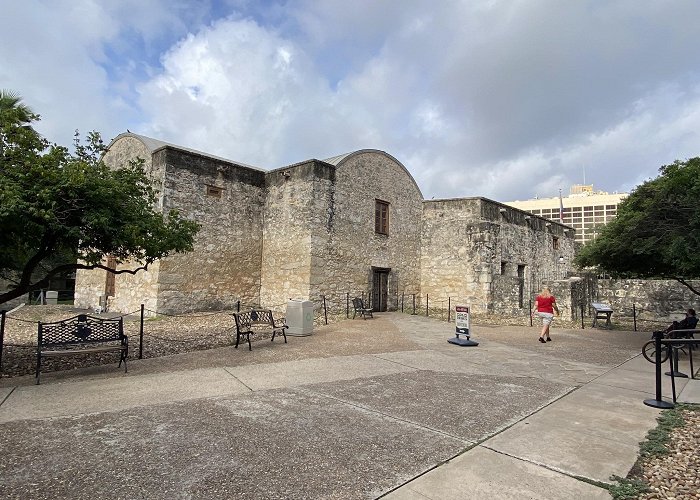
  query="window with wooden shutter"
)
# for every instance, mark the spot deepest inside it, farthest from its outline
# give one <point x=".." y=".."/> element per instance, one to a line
<point x="381" y="217"/>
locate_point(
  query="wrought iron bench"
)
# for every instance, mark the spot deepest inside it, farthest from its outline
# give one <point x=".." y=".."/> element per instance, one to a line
<point x="359" y="307"/>
<point x="257" y="321"/>
<point x="81" y="334"/>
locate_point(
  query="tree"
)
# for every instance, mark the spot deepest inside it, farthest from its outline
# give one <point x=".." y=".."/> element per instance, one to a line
<point x="63" y="210"/>
<point x="656" y="233"/>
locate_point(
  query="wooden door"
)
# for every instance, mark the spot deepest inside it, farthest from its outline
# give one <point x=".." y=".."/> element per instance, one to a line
<point x="380" y="290"/>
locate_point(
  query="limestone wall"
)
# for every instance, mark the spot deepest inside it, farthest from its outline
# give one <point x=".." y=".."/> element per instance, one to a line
<point x="319" y="229"/>
<point x="662" y="300"/>
<point x="494" y="257"/>
<point x="225" y="264"/>
<point x="346" y="247"/>
<point x="289" y="216"/>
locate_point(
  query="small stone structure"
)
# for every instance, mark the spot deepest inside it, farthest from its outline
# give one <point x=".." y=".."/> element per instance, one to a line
<point x="311" y="229"/>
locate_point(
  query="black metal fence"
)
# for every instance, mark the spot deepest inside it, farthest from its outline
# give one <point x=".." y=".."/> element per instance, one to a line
<point x="213" y="329"/>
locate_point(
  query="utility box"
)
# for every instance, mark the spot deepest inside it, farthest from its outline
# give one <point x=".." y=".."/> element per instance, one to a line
<point x="300" y="317"/>
<point x="51" y="298"/>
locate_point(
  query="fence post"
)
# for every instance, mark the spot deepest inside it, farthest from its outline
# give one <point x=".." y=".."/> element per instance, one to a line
<point x="141" y="335"/>
<point x="449" y="308"/>
<point x="347" y="305"/>
<point x="2" y="334"/>
<point x="325" y="311"/>
<point x="414" y="303"/>
<point x="634" y="316"/>
<point x="426" y="305"/>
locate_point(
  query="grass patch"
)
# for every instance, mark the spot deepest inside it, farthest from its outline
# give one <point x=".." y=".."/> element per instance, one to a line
<point x="627" y="488"/>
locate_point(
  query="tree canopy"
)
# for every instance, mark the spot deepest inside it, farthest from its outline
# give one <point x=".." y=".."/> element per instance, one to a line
<point x="62" y="209"/>
<point x="656" y="233"/>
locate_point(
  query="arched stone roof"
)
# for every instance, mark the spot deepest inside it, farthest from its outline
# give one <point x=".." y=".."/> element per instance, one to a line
<point x="154" y="145"/>
<point x="337" y="161"/>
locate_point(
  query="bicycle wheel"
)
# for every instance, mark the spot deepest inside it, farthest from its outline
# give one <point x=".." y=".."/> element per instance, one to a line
<point x="649" y="352"/>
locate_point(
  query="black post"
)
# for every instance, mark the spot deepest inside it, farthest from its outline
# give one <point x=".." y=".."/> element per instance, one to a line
<point x="634" y="316"/>
<point x="426" y="305"/>
<point x="402" y="301"/>
<point x="238" y="306"/>
<point x="530" y="306"/>
<point x="658" y="402"/>
<point x="674" y="363"/>
<point x="325" y="311"/>
<point x="449" y="309"/>
<point x="582" y="310"/>
<point x="414" y="303"/>
<point x="347" y="305"/>
<point x="141" y="335"/>
<point x="2" y="334"/>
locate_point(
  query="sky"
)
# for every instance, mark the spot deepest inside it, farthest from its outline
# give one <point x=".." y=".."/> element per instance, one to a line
<point x="506" y="99"/>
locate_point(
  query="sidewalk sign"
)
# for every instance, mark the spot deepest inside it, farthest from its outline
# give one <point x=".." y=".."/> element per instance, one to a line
<point x="462" y="325"/>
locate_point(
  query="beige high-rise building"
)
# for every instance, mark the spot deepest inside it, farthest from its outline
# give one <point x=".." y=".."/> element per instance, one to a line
<point x="583" y="209"/>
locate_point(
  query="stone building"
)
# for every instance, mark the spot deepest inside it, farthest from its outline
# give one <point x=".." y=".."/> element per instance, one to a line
<point x="355" y="223"/>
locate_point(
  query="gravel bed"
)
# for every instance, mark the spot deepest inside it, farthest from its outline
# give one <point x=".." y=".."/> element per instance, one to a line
<point x="675" y="475"/>
<point x="162" y="336"/>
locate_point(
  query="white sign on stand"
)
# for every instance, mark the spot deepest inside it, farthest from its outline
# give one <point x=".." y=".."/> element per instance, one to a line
<point x="462" y="320"/>
<point x="462" y="325"/>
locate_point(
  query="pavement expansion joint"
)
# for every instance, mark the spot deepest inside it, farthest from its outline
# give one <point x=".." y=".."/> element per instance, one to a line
<point x="387" y="415"/>
<point x="239" y="380"/>
<point x="8" y="395"/>
<point x="594" y="482"/>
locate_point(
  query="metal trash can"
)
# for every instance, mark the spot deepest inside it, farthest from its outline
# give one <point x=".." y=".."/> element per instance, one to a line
<point x="300" y="317"/>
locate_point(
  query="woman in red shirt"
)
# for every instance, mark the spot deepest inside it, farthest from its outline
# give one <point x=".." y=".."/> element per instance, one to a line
<point x="545" y="307"/>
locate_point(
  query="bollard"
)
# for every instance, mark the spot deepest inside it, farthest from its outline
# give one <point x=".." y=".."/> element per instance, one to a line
<point x="414" y="303"/>
<point x="325" y="311"/>
<point x="402" y="294"/>
<point x="2" y="334"/>
<point x="449" y="309"/>
<point x="141" y="334"/>
<point x="238" y="305"/>
<point x="426" y="304"/>
<point x="582" y="311"/>
<point x="634" y="316"/>
<point x="530" y="305"/>
<point x="658" y="402"/>
<point x="347" y="305"/>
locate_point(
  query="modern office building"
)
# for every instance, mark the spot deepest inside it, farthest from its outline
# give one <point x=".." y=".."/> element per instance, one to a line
<point x="583" y="209"/>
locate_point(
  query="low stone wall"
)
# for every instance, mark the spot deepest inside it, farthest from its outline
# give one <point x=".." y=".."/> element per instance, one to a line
<point x="652" y="299"/>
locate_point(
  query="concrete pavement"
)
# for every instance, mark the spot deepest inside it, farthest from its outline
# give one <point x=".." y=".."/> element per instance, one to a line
<point x="360" y="409"/>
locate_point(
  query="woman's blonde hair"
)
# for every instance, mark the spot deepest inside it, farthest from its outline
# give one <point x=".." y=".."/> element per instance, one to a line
<point x="546" y="292"/>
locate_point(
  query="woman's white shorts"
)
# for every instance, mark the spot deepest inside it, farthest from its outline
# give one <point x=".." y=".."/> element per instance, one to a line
<point x="546" y="317"/>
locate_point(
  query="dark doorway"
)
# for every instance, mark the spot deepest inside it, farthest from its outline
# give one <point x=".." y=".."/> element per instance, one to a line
<point x="380" y="288"/>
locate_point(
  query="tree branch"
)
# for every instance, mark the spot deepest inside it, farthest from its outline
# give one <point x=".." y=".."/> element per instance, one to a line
<point x="688" y="285"/>
<point x="23" y="288"/>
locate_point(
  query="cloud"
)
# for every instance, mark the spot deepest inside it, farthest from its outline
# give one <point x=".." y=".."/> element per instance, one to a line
<point x="500" y="99"/>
